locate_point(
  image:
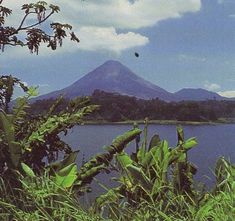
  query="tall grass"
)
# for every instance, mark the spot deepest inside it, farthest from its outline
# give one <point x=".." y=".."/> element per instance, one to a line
<point x="40" y="200"/>
<point x="215" y="208"/>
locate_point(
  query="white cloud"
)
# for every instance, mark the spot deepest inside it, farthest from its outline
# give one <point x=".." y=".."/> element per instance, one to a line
<point x="91" y="18"/>
<point x="97" y="38"/>
<point x="91" y="39"/>
<point x="227" y="93"/>
<point x="211" y="86"/>
<point x="124" y="14"/>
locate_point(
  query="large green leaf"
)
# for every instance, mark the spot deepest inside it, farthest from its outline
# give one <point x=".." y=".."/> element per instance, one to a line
<point x="163" y="150"/>
<point x="120" y="142"/>
<point x="71" y="158"/>
<point x="124" y="160"/>
<point x="139" y="177"/>
<point x="100" y="161"/>
<point x="28" y="171"/>
<point x="156" y="155"/>
<point x="155" y="140"/>
<point x="141" y="154"/>
<point x="87" y="176"/>
<point x="180" y="135"/>
<point x="188" y="144"/>
<point x="146" y="160"/>
<point x="9" y="133"/>
<point x="111" y="196"/>
<point x="66" y="177"/>
<point x="151" y="157"/>
<point x="7" y="127"/>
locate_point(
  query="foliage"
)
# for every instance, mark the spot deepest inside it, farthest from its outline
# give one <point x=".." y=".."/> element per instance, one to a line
<point x="25" y="143"/>
<point x="28" y="143"/>
<point x="114" y="108"/>
<point x="67" y="175"/>
<point x="144" y="175"/>
<point x="225" y="175"/>
<point x="156" y="183"/>
<point x="7" y="84"/>
<point x="154" y="109"/>
<point x="152" y="186"/>
<point x="41" y="199"/>
<point x="34" y="140"/>
<point x="216" y="208"/>
<point x="51" y="195"/>
<point x="28" y="27"/>
<point x="102" y="161"/>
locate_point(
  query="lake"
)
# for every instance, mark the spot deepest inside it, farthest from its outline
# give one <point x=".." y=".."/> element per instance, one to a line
<point x="214" y="141"/>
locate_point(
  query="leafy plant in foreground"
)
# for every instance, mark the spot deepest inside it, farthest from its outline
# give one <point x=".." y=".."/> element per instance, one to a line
<point x="225" y="175"/>
<point x="26" y="141"/>
<point x="40" y="199"/>
<point x="156" y="183"/>
<point x="144" y="176"/>
<point x="52" y="195"/>
<point x="34" y="140"/>
<point x="67" y="174"/>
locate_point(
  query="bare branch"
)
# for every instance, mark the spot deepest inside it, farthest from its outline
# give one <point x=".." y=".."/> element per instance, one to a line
<point x="23" y="20"/>
<point x="16" y="44"/>
<point x="38" y="23"/>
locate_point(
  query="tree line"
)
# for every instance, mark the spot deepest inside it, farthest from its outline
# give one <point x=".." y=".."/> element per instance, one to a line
<point x="114" y="107"/>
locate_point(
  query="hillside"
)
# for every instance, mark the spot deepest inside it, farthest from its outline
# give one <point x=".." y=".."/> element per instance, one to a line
<point x="198" y="94"/>
<point x="112" y="76"/>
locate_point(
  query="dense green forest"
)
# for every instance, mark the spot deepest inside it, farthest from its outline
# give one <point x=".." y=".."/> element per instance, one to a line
<point x="115" y="108"/>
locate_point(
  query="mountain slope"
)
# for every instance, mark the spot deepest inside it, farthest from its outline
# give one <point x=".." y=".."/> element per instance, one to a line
<point x="198" y="94"/>
<point x="112" y="76"/>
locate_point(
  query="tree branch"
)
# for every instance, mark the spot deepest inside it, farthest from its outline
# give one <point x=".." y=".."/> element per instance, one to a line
<point x="38" y="23"/>
<point x="35" y="35"/>
<point x="15" y="44"/>
<point x="23" y="20"/>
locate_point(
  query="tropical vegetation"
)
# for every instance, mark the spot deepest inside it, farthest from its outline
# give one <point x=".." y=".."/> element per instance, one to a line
<point x="39" y="177"/>
<point x="155" y="181"/>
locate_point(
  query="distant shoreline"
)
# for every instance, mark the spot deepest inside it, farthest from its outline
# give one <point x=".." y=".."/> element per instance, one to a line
<point x="162" y="122"/>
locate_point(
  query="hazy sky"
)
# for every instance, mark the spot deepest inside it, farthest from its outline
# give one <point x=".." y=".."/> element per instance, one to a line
<point x="182" y="43"/>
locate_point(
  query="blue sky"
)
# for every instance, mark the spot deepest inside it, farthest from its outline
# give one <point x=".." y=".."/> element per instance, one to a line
<point x="182" y="43"/>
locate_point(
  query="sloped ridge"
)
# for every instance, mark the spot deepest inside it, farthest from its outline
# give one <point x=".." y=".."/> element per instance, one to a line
<point x="113" y="76"/>
<point x="198" y="94"/>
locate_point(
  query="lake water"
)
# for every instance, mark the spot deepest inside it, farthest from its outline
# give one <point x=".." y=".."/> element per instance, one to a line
<point x="214" y="141"/>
